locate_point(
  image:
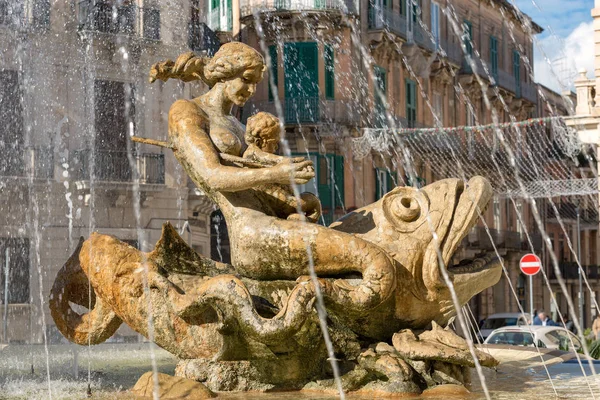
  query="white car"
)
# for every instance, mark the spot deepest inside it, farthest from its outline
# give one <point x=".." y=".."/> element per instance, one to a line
<point x="496" y="321"/>
<point x="551" y="337"/>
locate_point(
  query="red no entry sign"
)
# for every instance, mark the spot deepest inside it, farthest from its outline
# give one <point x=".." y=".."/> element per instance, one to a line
<point x="530" y="264"/>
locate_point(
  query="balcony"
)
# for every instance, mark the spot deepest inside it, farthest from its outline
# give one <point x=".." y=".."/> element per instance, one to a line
<point x="309" y="110"/>
<point x="249" y="7"/>
<point x="479" y="238"/>
<point x="37" y="163"/>
<point x="102" y="16"/>
<point x="202" y="38"/>
<point x="453" y="50"/>
<point x="114" y="166"/>
<point x="529" y="92"/>
<point x="570" y="270"/>
<point x="385" y="18"/>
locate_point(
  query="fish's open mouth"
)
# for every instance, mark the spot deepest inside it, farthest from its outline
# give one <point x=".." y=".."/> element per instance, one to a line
<point x="471" y="202"/>
<point x="470" y="266"/>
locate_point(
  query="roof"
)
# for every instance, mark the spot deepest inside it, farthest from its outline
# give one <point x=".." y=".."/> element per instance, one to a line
<point x="528" y="328"/>
<point x="520" y="16"/>
<point x="505" y="315"/>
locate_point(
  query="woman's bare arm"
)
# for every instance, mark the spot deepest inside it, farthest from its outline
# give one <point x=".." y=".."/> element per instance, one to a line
<point x="201" y="160"/>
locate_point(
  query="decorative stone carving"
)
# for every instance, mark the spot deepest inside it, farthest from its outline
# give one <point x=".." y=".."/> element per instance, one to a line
<point x="252" y="325"/>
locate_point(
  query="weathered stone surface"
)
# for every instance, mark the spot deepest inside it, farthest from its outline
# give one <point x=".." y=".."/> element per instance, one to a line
<point x="252" y="325"/>
<point x="438" y="344"/>
<point x="171" y="387"/>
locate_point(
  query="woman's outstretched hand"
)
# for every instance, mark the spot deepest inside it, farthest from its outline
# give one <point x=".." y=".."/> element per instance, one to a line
<point x="286" y="171"/>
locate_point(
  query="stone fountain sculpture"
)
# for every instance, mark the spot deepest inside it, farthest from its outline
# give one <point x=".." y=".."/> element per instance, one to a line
<point x="253" y="325"/>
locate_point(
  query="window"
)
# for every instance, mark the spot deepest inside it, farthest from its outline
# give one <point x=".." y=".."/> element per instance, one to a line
<point x="380" y="95"/>
<point x="519" y="207"/>
<point x="494" y="58"/>
<point x="329" y="73"/>
<point x="384" y="182"/>
<point x="517" y="72"/>
<point x="415" y="10"/>
<point x="11" y="12"/>
<point x="377" y="19"/>
<point x="274" y="70"/>
<point x="435" y="23"/>
<point x="14" y="271"/>
<point x="152" y="24"/>
<point x="114" y="111"/>
<point x="40" y="13"/>
<point x="11" y="128"/>
<point x="301" y="61"/>
<point x="511" y="338"/>
<point x="468" y="36"/>
<point x="328" y="184"/>
<point x="497" y="214"/>
<point x="411" y="103"/>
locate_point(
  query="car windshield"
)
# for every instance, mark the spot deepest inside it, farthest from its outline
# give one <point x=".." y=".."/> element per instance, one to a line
<point x="495" y="323"/>
<point x="514" y="338"/>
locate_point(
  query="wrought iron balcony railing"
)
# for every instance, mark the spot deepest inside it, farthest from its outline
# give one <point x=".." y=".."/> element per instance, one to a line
<point x="105" y="16"/>
<point x="385" y="18"/>
<point x="308" y="110"/>
<point x="31" y="162"/>
<point x="114" y="166"/>
<point x="249" y="7"/>
<point x="570" y="270"/>
<point x="482" y="239"/>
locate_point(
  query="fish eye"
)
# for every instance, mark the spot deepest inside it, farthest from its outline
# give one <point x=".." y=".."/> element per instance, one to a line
<point x="407" y="209"/>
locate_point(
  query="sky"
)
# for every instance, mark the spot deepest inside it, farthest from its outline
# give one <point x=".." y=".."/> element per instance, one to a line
<point x="567" y="43"/>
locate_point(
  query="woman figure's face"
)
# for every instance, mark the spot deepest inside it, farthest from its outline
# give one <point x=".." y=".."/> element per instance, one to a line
<point x="241" y="88"/>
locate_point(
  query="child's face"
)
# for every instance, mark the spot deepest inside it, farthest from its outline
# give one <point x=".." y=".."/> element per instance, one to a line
<point x="270" y="142"/>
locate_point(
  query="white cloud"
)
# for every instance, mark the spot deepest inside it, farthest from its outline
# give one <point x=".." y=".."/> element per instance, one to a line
<point x="558" y="60"/>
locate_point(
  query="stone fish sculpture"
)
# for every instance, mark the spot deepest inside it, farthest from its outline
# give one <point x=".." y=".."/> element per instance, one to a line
<point x="252" y="325"/>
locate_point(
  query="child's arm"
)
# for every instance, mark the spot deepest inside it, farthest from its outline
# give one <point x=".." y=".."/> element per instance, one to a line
<point x="259" y="155"/>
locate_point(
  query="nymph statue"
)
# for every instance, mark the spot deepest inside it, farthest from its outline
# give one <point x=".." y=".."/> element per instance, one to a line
<point x="254" y="321"/>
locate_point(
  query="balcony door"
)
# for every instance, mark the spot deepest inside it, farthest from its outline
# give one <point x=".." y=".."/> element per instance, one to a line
<point x="301" y="63"/>
<point x="113" y="119"/>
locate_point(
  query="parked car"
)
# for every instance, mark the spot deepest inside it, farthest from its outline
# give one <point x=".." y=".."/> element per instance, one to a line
<point x="496" y="321"/>
<point x="551" y="337"/>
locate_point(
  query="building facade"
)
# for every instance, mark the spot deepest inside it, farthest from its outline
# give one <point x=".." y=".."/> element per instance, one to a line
<point x="73" y="89"/>
<point x="337" y="68"/>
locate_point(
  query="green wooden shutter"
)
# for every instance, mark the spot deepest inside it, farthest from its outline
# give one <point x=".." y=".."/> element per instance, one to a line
<point x="494" y="57"/>
<point x="229" y="15"/>
<point x="301" y="82"/>
<point x="411" y="102"/>
<point x="391" y="179"/>
<point x="323" y="176"/>
<point x="274" y="70"/>
<point x="468" y="37"/>
<point x="329" y="73"/>
<point x="415" y="10"/>
<point x="402" y="7"/>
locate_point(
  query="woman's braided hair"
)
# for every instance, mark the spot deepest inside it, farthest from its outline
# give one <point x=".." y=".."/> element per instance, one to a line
<point x="230" y="60"/>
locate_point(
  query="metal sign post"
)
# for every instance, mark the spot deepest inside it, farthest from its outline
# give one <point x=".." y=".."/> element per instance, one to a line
<point x="530" y="264"/>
